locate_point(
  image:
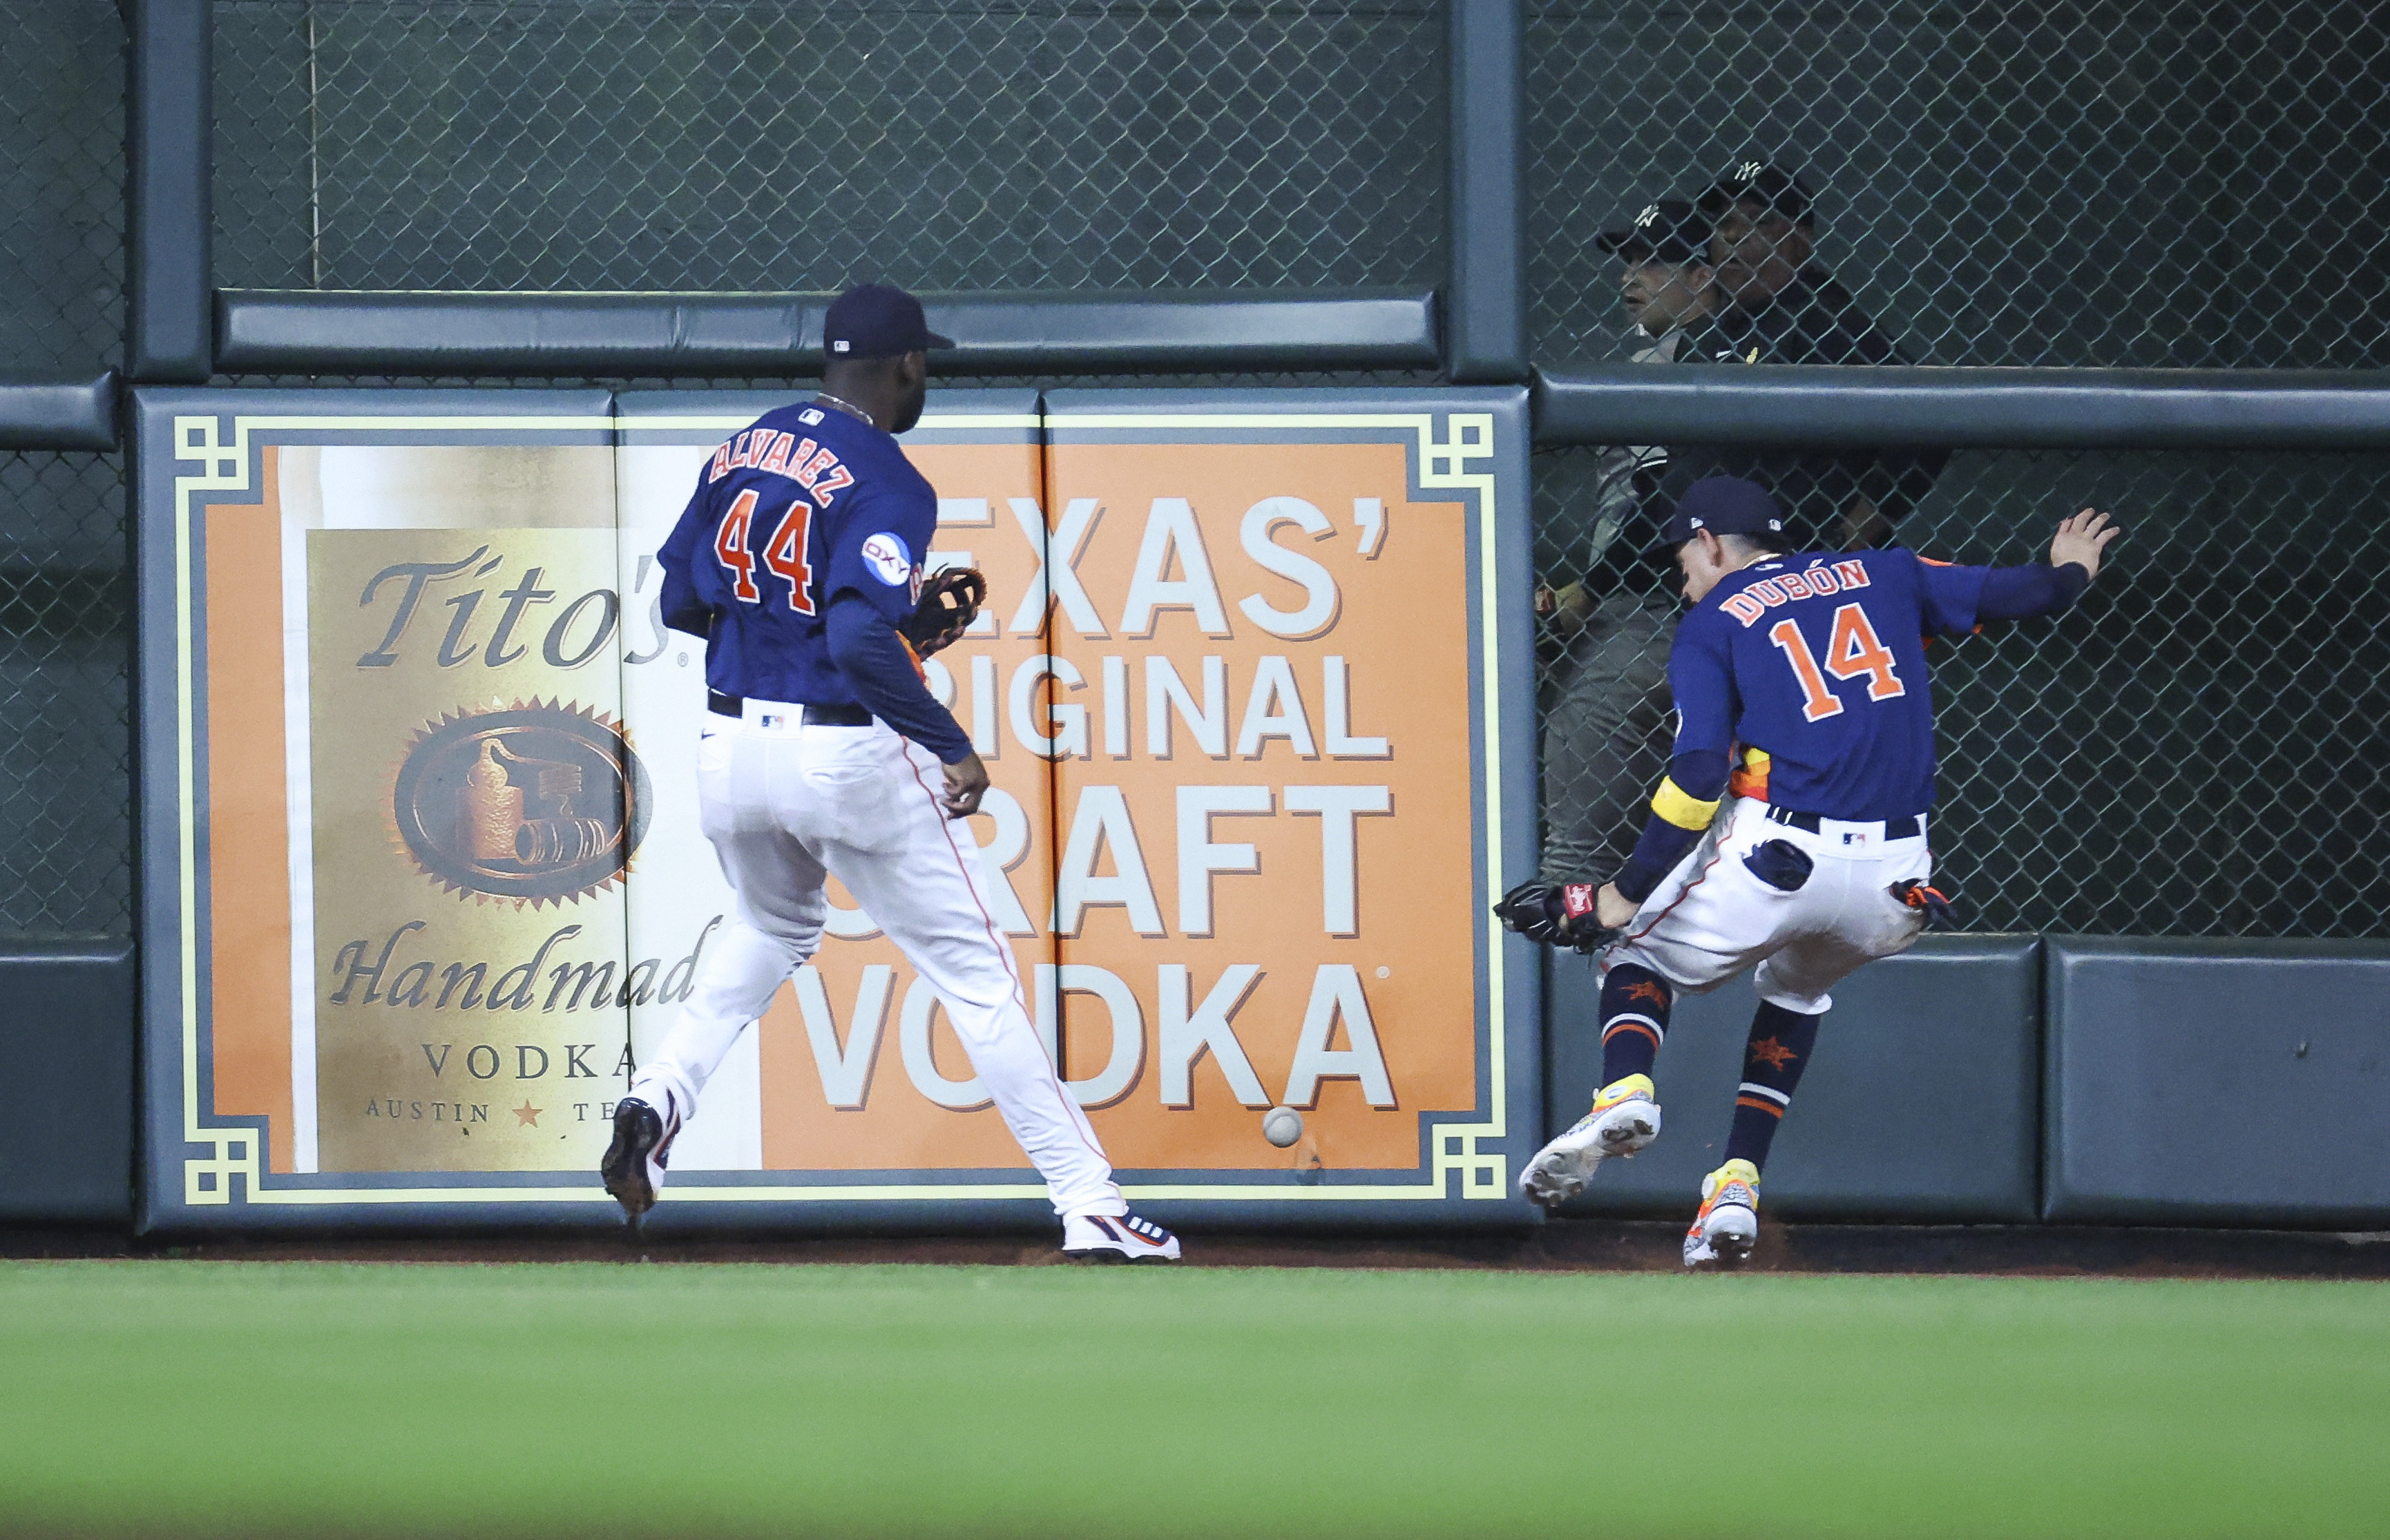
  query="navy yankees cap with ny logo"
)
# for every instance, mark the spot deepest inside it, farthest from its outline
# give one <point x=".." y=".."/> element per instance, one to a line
<point x="877" y="320"/>
<point x="1669" y="230"/>
<point x="1772" y="187"/>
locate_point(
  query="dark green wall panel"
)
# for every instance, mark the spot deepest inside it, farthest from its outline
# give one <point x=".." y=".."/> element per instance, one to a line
<point x="2218" y="1082"/>
<point x="1923" y="1103"/>
<point x="66" y="1033"/>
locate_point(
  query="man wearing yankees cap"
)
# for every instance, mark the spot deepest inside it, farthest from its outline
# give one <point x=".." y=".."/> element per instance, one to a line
<point x="1612" y="609"/>
<point x="1777" y="304"/>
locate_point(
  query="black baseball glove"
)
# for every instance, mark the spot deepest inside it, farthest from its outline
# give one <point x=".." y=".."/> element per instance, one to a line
<point x="1559" y="915"/>
<point x="949" y="602"/>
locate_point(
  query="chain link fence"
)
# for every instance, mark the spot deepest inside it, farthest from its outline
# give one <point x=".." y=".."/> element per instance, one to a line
<point x="2157" y="183"/>
<point x="706" y="146"/>
<point x="66" y="825"/>
<point x="2192" y="751"/>
<point x="61" y="187"/>
<point x="66" y="725"/>
<point x="2143" y="184"/>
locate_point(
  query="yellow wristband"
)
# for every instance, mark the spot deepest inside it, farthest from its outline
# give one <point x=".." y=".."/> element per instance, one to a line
<point x="1680" y="808"/>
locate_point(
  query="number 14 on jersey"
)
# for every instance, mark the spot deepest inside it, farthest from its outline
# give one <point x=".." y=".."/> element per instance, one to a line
<point x="1852" y="652"/>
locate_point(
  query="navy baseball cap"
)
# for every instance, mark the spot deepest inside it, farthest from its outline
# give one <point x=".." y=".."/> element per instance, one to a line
<point x="1723" y="505"/>
<point x="1773" y="187"/>
<point x="877" y="320"/>
<point x="1670" y="230"/>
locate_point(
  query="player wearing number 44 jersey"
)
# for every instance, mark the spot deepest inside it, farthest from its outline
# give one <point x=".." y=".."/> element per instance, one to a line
<point x="800" y="559"/>
<point x="1789" y="830"/>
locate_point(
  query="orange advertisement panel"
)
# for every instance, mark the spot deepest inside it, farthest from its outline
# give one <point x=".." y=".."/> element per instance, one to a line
<point x="863" y="1073"/>
<point x="1271" y="779"/>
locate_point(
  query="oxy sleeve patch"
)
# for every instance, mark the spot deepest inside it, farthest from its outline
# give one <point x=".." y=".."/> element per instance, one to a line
<point x="889" y="562"/>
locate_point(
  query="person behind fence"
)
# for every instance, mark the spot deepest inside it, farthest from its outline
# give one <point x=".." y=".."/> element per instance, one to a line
<point x="1604" y="733"/>
<point x="1804" y="708"/>
<point x="1778" y="305"/>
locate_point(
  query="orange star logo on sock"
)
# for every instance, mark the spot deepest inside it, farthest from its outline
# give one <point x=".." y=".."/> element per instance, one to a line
<point x="1773" y="1054"/>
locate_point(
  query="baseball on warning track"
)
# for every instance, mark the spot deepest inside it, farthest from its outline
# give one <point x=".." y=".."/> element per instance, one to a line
<point x="1281" y="1126"/>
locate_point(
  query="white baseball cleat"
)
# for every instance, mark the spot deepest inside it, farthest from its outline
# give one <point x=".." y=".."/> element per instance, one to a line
<point x="1625" y="1119"/>
<point x="1728" y="1227"/>
<point x="634" y="1166"/>
<point x="1116" y="1238"/>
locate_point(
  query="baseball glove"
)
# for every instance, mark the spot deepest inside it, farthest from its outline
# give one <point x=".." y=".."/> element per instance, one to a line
<point x="1557" y="916"/>
<point x="1935" y="906"/>
<point x="949" y="602"/>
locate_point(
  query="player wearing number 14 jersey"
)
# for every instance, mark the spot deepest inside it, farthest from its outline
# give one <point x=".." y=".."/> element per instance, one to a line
<point x="1789" y="830"/>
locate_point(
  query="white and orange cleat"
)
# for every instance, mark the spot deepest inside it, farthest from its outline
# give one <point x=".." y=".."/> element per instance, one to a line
<point x="1728" y="1227"/>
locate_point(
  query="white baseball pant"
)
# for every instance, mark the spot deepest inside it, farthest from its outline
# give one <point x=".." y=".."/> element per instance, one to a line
<point x="1713" y="917"/>
<point x="785" y="803"/>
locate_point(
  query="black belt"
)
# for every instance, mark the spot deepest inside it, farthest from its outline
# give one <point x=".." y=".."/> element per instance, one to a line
<point x="815" y="716"/>
<point x="1894" y="828"/>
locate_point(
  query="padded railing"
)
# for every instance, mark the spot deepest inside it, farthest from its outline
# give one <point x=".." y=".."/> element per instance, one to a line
<point x="413" y="332"/>
<point x="1835" y="406"/>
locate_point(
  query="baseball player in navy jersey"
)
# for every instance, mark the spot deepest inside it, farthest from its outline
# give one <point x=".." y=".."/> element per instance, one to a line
<point x="1804" y="706"/>
<point x="798" y="559"/>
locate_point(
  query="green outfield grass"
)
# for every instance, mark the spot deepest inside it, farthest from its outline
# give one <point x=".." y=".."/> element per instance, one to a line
<point x="278" y="1399"/>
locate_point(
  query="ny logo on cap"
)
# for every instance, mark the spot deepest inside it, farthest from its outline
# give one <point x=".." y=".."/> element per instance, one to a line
<point x="1648" y="216"/>
<point x="1748" y="170"/>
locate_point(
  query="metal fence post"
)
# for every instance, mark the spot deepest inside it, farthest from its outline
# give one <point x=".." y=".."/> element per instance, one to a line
<point x="169" y="321"/>
<point x="1485" y="325"/>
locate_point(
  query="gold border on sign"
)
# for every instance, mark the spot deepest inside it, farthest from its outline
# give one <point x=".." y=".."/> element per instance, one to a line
<point x="1454" y="1148"/>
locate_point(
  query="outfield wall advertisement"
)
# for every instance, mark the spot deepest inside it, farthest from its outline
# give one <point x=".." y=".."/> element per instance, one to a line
<point x="426" y="876"/>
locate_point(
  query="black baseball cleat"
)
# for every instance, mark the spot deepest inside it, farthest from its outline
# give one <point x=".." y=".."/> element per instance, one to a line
<point x="634" y="1167"/>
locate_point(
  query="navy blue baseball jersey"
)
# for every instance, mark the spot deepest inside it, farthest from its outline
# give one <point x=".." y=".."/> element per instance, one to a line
<point x="1814" y="666"/>
<point x="805" y="506"/>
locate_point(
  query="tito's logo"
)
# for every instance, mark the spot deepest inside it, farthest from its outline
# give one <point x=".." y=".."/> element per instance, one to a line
<point x="538" y="802"/>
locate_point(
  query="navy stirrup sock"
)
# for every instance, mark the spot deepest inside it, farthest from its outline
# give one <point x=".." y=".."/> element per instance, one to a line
<point x="1635" y="1004"/>
<point x="1772" y="1063"/>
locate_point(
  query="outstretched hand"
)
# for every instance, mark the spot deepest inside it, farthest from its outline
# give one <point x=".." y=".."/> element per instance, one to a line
<point x="2083" y="540"/>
